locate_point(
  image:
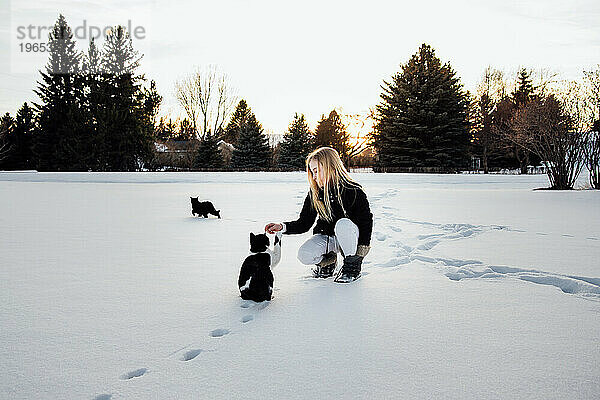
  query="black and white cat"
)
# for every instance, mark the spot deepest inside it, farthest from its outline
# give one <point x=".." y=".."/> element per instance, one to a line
<point x="256" y="276"/>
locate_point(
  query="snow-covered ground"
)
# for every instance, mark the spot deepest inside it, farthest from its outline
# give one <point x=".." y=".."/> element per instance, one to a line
<point x="475" y="287"/>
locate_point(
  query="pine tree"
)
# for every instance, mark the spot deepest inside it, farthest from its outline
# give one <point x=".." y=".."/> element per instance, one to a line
<point x="252" y="150"/>
<point x="208" y="154"/>
<point x="186" y="130"/>
<point x="95" y="104"/>
<point x="296" y="145"/>
<point x="521" y="97"/>
<point x="127" y="110"/>
<point x="524" y="91"/>
<point x="20" y="140"/>
<point x="61" y="93"/>
<point x="238" y="119"/>
<point x="422" y="118"/>
<point x="331" y="132"/>
<point x="7" y="123"/>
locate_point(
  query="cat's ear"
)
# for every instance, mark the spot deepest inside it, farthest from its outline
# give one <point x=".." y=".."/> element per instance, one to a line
<point x="252" y="236"/>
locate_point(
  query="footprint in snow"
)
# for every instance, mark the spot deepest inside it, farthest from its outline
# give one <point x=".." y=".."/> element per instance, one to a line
<point x="429" y="245"/>
<point x="103" y="397"/>
<point x="423" y="237"/>
<point x="190" y="355"/>
<point x="219" y="332"/>
<point x="247" y="318"/>
<point x="395" y="262"/>
<point x="381" y="236"/>
<point x="246" y="304"/>
<point x="134" y="374"/>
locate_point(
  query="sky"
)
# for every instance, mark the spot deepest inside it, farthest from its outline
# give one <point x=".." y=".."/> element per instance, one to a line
<point x="312" y="56"/>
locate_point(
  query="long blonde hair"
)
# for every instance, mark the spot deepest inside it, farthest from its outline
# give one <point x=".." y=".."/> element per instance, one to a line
<point x="335" y="177"/>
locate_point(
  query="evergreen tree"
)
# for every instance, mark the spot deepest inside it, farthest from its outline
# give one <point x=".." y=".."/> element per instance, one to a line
<point x="331" y="132"/>
<point x="186" y="130"/>
<point x="524" y="91"/>
<point x="6" y="127"/>
<point x="95" y="82"/>
<point x="252" y="150"/>
<point x="59" y="112"/>
<point x="127" y="110"/>
<point x="20" y="140"/>
<point x="296" y="145"/>
<point x="422" y="118"/>
<point x="237" y="121"/>
<point x="208" y="154"/>
<point x="521" y="97"/>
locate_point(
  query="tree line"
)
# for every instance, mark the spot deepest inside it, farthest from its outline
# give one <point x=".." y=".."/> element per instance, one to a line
<point x="96" y="112"/>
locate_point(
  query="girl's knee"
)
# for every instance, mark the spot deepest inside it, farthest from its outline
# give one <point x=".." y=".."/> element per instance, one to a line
<point x="307" y="256"/>
<point x="344" y="224"/>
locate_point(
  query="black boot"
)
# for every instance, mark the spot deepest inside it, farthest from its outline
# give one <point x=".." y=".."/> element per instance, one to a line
<point x="350" y="270"/>
<point x="326" y="267"/>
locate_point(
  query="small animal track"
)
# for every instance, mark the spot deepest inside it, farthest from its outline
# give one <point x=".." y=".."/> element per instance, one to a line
<point x="191" y="354"/>
<point x="219" y="332"/>
<point x="247" y="318"/>
<point x="134" y="374"/>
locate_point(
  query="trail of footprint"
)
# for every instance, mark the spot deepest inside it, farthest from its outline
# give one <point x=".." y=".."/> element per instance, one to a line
<point x="583" y="286"/>
<point x="134" y="374"/>
<point x="219" y="332"/>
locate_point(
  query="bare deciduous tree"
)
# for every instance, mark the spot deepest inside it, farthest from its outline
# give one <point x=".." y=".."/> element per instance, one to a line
<point x="550" y="128"/>
<point x="207" y="99"/>
<point x="592" y="150"/>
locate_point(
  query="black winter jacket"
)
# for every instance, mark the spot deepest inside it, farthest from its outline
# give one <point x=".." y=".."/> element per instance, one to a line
<point x="357" y="210"/>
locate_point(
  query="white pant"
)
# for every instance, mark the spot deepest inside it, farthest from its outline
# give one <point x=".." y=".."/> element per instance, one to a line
<point x="346" y="239"/>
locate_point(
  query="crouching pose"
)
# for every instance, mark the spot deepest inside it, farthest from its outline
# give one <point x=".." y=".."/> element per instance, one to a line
<point x="345" y="221"/>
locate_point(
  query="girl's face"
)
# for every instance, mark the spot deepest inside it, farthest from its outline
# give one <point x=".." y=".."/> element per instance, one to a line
<point x="317" y="172"/>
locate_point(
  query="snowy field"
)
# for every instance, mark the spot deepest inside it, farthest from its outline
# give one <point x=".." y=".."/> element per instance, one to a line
<point x="476" y="287"/>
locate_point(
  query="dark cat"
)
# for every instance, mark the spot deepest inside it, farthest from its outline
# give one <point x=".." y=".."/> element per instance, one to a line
<point x="256" y="277"/>
<point x="204" y="208"/>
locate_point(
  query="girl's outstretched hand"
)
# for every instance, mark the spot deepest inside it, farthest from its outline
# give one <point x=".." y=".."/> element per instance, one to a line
<point x="272" y="228"/>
